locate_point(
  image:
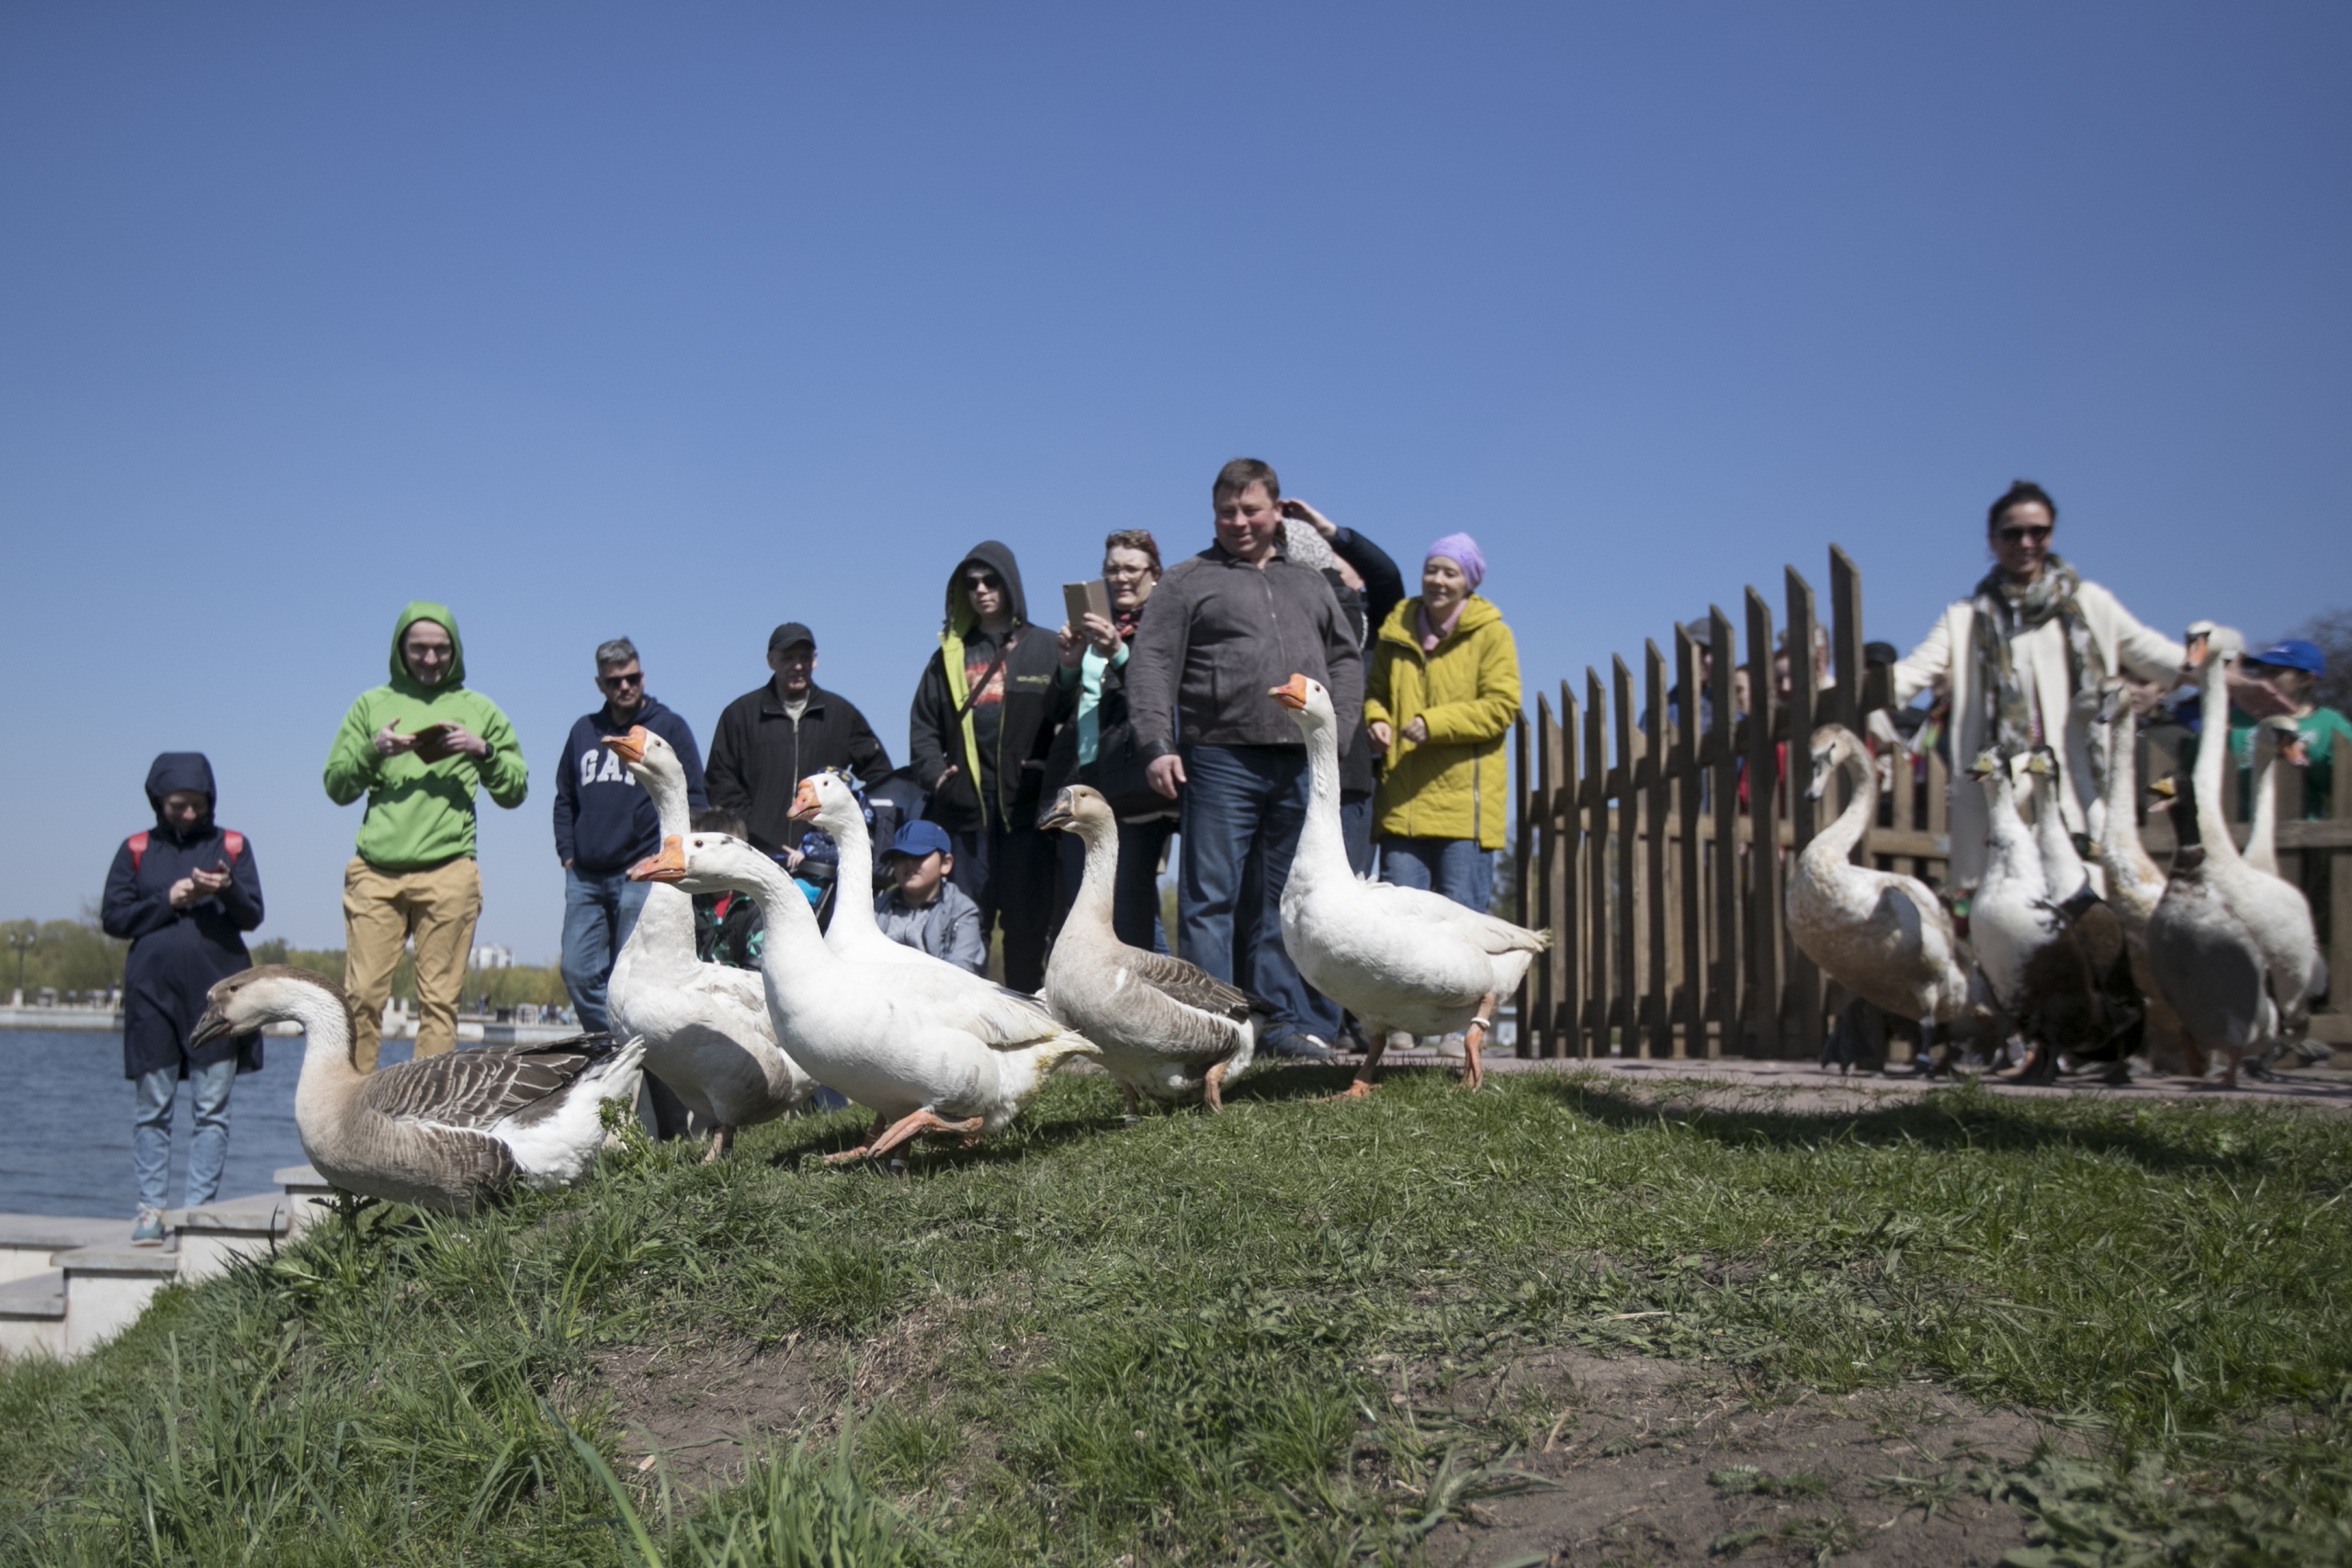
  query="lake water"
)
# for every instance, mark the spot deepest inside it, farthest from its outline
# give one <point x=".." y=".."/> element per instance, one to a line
<point x="67" y="1147"/>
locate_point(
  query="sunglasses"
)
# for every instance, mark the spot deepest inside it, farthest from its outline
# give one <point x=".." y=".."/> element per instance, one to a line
<point x="990" y="582"/>
<point x="2023" y="535"/>
<point x="636" y="678"/>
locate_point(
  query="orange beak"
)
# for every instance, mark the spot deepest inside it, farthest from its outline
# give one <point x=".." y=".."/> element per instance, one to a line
<point x="804" y="803"/>
<point x="2198" y="643"/>
<point x="629" y="747"/>
<point x="1291" y="693"/>
<point x="668" y="865"/>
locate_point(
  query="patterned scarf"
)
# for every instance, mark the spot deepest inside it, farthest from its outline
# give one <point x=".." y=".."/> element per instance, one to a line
<point x="2006" y="611"/>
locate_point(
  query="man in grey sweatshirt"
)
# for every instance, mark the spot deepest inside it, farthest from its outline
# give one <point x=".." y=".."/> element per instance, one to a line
<point x="1222" y="628"/>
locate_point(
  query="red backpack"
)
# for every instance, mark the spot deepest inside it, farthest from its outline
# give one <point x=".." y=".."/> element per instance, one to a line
<point x="233" y="841"/>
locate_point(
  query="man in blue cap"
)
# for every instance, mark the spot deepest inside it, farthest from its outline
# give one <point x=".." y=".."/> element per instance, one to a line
<point x="923" y="909"/>
<point x="2293" y="667"/>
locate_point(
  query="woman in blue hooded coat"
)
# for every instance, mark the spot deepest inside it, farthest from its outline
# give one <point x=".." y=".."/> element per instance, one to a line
<point x="183" y="893"/>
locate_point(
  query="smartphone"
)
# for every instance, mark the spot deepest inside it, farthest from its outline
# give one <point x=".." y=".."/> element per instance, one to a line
<point x="431" y="741"/>
<point x="1080" y="600"/>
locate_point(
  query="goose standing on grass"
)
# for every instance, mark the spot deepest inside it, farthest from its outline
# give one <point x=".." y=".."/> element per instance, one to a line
<point x="928" y="1048"/>
<point x="705" y="1025"/>
<point x="1167" y="1028"/>
<point x="1399" y="958"/>
<point x="442" y="1132"/>
<point x="2274" y="911"/>
<point x="2208" y="965"/>
<point x="1885" y="936"/>
<point x="2134" y="886"/>
<point x="2035" y="960"/>
<point x="2098" y="930"/>
<point x="826" y="801"/>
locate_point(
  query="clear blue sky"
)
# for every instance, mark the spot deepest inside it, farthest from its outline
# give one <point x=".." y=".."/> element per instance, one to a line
<point x="680" y="322"/>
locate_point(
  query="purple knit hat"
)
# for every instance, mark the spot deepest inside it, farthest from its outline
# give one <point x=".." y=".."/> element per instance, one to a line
<point x="1463" y="551"/>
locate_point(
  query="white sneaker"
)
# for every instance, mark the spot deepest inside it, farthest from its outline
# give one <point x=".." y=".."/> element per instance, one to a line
<point x="149" y="1231"/>
<point x="1450" y="1047"/>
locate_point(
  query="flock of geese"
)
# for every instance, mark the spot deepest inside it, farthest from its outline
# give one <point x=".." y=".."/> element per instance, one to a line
<point x="2222" y="953"/>
<point x="927" y="1047"/>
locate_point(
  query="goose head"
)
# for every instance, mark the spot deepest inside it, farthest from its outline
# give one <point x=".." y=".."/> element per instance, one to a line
<point x="826" y="800"/>
<point x="1081" y="810"/>
<point x="2162" y="794"/>
<point x="269" y="993"/>
<point x="1987" y="765"/>
<point x="707" y="862"/>
<point x="2286" y="737"/>
<point x="645" y="753"/>
<point x="1309" y="704"/>
<point x="1833" y="744"/>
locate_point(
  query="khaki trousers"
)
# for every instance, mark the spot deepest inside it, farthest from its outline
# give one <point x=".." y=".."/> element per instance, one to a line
<point x="382" y="912"/>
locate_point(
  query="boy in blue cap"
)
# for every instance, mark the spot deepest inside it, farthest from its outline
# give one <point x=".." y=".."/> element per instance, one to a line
<point x="2293" y="667"/>
<point x="924" y="910"/>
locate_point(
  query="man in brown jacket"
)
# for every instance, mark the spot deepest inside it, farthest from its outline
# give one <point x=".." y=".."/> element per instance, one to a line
<point x="1223" y="627"/>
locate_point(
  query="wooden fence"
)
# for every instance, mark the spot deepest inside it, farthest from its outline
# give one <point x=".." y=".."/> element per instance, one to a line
<point x="1668" y="933"/>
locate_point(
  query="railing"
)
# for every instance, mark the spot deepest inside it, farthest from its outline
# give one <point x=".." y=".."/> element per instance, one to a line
<point x="1668" y="933"/>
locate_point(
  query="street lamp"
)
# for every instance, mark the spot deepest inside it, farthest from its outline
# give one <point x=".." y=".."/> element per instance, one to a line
<point x="23" y="943"/>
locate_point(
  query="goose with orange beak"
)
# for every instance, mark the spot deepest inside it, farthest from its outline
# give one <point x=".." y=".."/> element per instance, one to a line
<point x="705" y="1025"/>
<point x="1396" y="957"/>
<point x="826" y="802"/>
<point x="927" y="1048"/>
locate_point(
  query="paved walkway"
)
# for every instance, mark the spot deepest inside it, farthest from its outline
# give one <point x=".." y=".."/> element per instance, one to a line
<point x="1803" y="1086"/>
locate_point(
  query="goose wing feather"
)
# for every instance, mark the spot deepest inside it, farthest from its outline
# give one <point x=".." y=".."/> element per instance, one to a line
<point x="1490" y="932"/>
<point x="1186" y="983"/>
<point x="471" y="1091"/>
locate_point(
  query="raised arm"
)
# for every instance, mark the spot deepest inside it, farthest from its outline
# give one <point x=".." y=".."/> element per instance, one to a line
<point x="1918" y="669"/>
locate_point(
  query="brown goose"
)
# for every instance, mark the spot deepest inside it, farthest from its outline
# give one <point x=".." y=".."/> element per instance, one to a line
<point x="1167" y="1028"/>
<point x="442" y="1132"/>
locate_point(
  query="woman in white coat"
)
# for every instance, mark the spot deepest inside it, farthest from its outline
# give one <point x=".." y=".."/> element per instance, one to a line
<point x="2018" y="653"/>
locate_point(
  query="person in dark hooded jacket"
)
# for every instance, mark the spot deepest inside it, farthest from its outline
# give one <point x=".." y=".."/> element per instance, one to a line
<point x="183" y="892"/>
<point x="983" y="719"/>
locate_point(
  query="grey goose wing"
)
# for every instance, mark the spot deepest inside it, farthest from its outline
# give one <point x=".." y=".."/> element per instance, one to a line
<point x="478" y="1089"/>
<point x="1187" y="983"/>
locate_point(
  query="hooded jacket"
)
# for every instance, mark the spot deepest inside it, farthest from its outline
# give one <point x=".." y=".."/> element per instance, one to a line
<point x="176" y="955"/>
<point x="1003" y="752"/>
<point x="421" y="813"/>
<point x="1455" y="785"/>
<point x="605" y="820"/>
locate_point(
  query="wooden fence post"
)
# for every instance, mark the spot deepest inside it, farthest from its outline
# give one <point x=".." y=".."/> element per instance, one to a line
<point x="1628" y="986"/>
<point x="1723" y="802"/>
<point x="1522" y="824"/>
<point x="1764" y="849"/>
<point x="1595" y="797"/>
<point x="1803" y="1002"/>
<point x="1658" y="1023"/>
<point x="1687" y="776"/>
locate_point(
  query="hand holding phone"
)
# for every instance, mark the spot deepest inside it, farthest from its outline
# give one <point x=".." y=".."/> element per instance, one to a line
<point x="432" y="742"/>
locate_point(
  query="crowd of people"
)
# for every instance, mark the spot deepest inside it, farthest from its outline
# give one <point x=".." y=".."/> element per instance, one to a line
<point x="1152" y="690"/>
<point x="1151" y="687"/>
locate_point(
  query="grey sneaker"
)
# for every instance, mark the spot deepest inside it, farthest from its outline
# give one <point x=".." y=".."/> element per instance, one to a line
<point x="149" y="1231"/>
<point x="1299" y="1048"/>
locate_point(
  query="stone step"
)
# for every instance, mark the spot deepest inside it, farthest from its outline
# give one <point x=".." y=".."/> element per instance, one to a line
<point x="213" y="1235"/>
<point x="307" y="1192"/>
<point x="32" y="1315"/>
<point x="29" y="1242"/>
<point x="106" y="1289"/>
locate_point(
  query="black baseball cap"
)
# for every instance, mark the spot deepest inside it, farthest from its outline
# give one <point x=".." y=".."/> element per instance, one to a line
<point x="791" y="632"/>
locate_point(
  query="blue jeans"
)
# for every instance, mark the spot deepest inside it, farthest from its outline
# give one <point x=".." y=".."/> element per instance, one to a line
<point x="1134" y="898"/>
<point x="1457" y="868"/>
<point x="151" y="1131"/>
<point x="1243" y="807"/>
<point x="599" y="911"/>
<point x="1355" y="830"/>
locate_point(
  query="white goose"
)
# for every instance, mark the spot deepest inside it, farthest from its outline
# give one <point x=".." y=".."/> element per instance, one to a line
<point x="927" y="1048"/>
<point x="1887" y="937"/>
<point x="705" y="1025"/>
<point x="1168" y="1028"/>
<point x="2134" y="885"/>
<point x="2276" y="741"/>
<point x="1399" y="958"/>
<point x="2062" y="872"/>
<point x="2274" y="911"/>
<point x="826" y="800"/>
<point x="445" y="1132"/>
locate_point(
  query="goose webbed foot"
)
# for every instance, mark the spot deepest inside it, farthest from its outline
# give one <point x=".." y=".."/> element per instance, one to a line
<point x="1473" y="1044"/>
<point x="722" y="1138"/>
<point x="866" y="1146"/>
<point x="1376" y="1045"/>
<point x="922" y="1122"/>
<point x="1212" y="1087"/>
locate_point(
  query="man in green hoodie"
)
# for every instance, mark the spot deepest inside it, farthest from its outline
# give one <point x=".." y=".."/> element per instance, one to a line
<point x="417" y="746"/>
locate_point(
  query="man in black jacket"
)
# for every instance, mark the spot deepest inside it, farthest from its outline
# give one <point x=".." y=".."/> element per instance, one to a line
<point x="185" y="893"/>
<point x="983" y="718"/>
<point x="771" y="738"/>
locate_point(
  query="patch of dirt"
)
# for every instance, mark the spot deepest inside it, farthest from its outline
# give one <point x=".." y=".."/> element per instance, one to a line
<point x="1653" y="1462"/>
<point x="702" y="1409"/>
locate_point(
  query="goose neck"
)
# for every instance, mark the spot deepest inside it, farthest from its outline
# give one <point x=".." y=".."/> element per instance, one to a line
<point x="1320" y="840"/>
<point x="2213" y="755"/>
<point x="1846" y="830"/>
<point x="1101" y="877"/>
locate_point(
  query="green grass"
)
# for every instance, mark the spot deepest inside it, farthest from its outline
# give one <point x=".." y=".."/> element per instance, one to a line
<point x="1226" y="1339"/>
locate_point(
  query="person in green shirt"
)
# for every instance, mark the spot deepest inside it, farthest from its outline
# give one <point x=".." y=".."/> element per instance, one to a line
<point x="2293" y="669"/>
<point x="418" y="747"/>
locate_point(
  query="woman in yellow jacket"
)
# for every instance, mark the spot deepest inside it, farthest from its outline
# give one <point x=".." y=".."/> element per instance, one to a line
<point x="1440" y="701"/>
